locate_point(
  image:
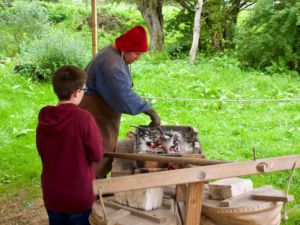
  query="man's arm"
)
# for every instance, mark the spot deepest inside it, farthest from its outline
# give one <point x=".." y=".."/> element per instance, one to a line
<point x="117" y="92"/>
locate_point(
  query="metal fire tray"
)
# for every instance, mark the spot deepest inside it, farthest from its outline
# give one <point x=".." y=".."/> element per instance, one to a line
<point x="167" y="140"/>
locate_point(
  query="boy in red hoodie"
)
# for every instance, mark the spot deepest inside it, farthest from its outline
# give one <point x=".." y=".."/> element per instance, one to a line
<point x="68" y="141"/>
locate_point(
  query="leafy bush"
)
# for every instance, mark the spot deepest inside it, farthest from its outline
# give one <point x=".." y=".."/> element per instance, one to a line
<point x="52" y="1"/>
<point x="8" y="45"/>
<point x="23" y="21"/>
<point x="55" y="49"/>
<point x="28" y="17"/>
<point x="180" y="32"/>
<point x="6" y="3"/>
<point x="57" y="13"/>
<point x="270" y="36"/>
<point x="127" y="13"/>
<point x="217" y="26"/>
<point x="65" y="13"/>
<point x="106" y="22"/>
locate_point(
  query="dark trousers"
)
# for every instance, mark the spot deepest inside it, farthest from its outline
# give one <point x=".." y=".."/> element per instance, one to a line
<point x="66" y="218"/>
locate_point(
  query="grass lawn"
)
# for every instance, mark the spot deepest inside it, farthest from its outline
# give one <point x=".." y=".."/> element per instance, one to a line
<point x="227" y="131"/>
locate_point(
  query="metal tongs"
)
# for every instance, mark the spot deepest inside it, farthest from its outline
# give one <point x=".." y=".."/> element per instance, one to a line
<point x="163" y="136"/>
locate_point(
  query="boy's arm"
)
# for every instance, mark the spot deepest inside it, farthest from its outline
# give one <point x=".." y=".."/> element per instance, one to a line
<point x="37" y="142"/>
<point x="93" y="141"/>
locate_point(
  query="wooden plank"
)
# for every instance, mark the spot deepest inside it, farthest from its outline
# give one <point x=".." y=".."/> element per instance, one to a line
<point x="194" y="203"/>
<point x="273" y="196"/>
<point x="165" y="159"/>
<point x="191" y="175"/>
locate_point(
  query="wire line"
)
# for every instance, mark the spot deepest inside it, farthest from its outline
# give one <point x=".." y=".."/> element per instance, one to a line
<point x="226" y="100"/>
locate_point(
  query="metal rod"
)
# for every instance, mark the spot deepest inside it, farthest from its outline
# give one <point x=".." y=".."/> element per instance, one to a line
<point x="163" y="134"/>
<point x="166" y="159"/>
<point x="285" y="215"/>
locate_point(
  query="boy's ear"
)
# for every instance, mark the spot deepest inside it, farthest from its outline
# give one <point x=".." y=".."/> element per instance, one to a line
<point x="75" y="94"/>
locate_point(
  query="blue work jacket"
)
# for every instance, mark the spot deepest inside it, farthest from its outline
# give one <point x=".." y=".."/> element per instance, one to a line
<point x="109" y="76"/>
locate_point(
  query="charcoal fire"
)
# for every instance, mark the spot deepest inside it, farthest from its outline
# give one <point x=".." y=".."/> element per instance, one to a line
<point x="172" y="140"/>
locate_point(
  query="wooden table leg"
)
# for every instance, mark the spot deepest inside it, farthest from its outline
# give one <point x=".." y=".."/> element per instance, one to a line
<point x="194" y="203"/>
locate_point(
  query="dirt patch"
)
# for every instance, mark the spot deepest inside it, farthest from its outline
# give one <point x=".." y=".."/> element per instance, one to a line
<point x="14" y="211"/>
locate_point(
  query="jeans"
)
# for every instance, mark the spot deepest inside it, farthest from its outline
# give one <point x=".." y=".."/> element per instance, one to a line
<point x="69" y="218"/>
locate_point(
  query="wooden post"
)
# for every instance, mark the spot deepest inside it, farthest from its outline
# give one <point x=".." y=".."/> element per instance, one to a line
<point x="194" y="203"/>
<point x="94" y="27"/>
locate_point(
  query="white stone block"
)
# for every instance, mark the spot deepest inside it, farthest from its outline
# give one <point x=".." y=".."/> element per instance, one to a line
<point x="146" y="199"/>
<point x="227" y="188"/>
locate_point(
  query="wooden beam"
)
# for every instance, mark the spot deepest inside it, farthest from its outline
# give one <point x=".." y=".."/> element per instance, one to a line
<point x="191" y="175"/>
<point x="194" y="203"/>
<point x="167" y="159"/>
<point x="94" y="27"/>
<point x="274" y="196"/>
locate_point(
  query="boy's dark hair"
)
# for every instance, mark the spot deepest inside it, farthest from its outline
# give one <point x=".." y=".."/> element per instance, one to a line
<point x="66" y="80"/>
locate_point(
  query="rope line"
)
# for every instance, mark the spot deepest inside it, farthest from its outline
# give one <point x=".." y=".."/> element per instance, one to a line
<point x="225" y="100"/>
<point x="291" y="148"/>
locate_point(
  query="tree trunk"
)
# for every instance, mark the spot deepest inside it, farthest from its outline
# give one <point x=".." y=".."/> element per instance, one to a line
<point x="235" y="9"/>
<point x="151" y="11"/>
<point x="197" y="28"/>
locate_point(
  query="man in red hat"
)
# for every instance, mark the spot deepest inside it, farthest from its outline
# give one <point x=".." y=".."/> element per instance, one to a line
<point x="110" y="89"/>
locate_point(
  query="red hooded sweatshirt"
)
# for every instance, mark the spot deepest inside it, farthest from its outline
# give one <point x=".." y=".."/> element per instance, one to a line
<point x="68" y="141"/>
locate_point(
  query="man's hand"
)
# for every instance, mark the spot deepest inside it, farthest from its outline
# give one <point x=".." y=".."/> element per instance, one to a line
<point x="155" y="119"/>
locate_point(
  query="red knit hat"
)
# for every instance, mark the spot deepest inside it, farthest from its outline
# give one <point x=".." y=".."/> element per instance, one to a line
<point x="134" y="40"/>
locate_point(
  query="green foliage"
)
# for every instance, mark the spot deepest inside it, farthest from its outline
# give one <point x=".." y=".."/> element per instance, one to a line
<point x="115" y="19"/>
<point x="227" y="131"/>
<point x="19" y="104"/>
<point x="70" y="14"/>
<point x="180" y="32"/>
<point x="294" y="216"/>
<point x="52" y="1"/>
<point x="8" y="45"/>
<point x="128" y="14"/>
<point x="57" y="13"/>
<point x="6" y="3"/>
<point x="22" y="22"/>
<point x="270" y="37"/>
<point x="218" y="21"/>
<point x="43" y="56"/>
<point x="28" y="17"/>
